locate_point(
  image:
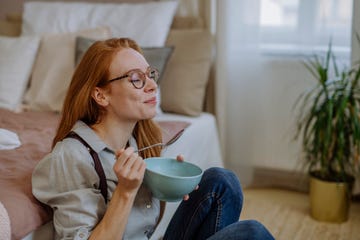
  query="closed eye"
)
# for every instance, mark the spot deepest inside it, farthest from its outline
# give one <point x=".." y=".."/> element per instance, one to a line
<point x="135" y="81"/>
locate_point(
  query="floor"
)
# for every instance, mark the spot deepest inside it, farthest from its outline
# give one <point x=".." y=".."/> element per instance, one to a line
<point x="286" y="214"/>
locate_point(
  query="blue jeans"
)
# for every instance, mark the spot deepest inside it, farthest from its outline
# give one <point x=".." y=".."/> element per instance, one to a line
<point x="212" y="212"/>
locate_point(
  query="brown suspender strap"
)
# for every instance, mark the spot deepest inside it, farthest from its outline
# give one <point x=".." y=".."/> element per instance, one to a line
<point x="98" y="166"/>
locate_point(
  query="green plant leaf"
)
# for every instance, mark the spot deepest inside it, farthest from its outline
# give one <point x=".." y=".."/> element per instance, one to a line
<point x="328" y="119"/>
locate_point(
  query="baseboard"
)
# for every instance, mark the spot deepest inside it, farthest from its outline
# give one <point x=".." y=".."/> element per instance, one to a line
<point x="268" y="177"/>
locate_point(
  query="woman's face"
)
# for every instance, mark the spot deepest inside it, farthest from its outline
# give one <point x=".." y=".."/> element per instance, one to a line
<point x="124" y="100"/>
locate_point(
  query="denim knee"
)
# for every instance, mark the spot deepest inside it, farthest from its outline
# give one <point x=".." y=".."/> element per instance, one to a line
<point x="256" y="229"/>
<point x="245" y="229"/>
<point x="224" y="181"/>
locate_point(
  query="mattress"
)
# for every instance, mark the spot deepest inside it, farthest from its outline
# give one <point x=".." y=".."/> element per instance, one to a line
<point x="200" y="141"/>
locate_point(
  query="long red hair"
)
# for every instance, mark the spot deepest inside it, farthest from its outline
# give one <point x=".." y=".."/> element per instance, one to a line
<point x="92" y="71"/>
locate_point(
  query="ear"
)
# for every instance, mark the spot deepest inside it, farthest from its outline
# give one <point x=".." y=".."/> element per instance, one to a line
<point x="100" y="97"/>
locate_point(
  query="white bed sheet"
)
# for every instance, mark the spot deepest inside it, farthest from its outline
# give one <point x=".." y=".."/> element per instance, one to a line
<point x="199" y="144"/>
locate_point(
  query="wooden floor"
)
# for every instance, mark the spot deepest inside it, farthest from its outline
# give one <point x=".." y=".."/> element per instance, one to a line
<point x="286" y="215"/>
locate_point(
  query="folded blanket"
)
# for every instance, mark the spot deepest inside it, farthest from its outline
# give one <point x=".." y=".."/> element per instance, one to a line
<point x="8" y="139"/>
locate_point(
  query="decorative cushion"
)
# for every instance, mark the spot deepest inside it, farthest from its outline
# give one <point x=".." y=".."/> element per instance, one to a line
<point x="156" y="57"/>
<point x="180" y="22"/>
<point x="185" y="79"/>
<point x="54" y="67"/>
<point x="81" y="46"/>
<point x="125" y="19"/>
<point x="10" y="29"/>
<point x="17" y="56"/>
<point x="14" y="17"/>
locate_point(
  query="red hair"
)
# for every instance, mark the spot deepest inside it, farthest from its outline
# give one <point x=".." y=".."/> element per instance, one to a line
<point x="92" y="71"/>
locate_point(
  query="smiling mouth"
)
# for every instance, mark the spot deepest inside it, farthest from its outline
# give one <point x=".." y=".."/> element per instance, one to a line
<point x="152" y="100"/>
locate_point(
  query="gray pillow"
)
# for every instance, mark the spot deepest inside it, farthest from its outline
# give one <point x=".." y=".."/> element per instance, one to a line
<point x="156" y="56"/>
<point x="82" y="44"/>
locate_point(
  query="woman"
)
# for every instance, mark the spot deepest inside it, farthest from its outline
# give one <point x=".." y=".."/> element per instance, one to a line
<point x="93" y="177"/>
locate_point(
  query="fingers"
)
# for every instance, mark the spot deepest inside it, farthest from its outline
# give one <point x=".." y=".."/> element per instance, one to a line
<point x="180" y="158"/>
<point x="129" y="168"/>
<point x="137" y="169"/>
<point x="138" y="165"/>
<point x="128" y="163"/>
<point x="126" y="157"/>
<point x="186" y="197"/>
<point x="123" y="155"/>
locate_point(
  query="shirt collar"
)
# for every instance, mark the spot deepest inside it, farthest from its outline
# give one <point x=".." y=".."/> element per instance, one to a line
<point x="95" y="142"/>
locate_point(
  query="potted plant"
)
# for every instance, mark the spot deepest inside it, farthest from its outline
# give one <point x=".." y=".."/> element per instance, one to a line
<point x="329" y="129"/>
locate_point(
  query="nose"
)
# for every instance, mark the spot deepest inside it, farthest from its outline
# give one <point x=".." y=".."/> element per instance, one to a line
<point x="150" y="84"/>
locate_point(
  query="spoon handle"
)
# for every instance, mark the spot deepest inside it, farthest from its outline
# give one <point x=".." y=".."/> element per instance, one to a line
<point x="154" y="145"/>
<point x="171" y="141"/>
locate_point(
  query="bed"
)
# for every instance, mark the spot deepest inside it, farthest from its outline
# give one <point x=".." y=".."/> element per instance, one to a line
<point x="42" y="43"/>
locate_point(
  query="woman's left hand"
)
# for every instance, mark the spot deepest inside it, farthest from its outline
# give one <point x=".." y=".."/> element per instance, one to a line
<point x="180" y="158"/>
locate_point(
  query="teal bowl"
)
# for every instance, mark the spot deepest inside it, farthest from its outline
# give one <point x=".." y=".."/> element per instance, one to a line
<point x="169" y="180"/>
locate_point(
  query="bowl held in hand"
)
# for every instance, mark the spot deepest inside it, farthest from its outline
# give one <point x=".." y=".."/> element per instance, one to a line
<point x="169" y="179"/>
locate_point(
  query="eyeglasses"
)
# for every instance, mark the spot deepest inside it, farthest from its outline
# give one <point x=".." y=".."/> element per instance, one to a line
<point x="138" y="77"/>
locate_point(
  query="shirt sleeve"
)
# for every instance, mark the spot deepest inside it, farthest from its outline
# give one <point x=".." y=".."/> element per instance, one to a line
<point x="66" y="180"/>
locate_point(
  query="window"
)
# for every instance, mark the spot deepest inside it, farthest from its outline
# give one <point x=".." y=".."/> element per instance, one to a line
<point x="304" y="26"/>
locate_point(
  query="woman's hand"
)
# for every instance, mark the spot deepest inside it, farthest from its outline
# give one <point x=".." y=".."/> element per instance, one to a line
<point x="180" y="158"/>
<point x="129" y="169"/>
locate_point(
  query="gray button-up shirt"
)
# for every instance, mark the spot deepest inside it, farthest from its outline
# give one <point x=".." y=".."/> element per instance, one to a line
<point x="66" y="180"/>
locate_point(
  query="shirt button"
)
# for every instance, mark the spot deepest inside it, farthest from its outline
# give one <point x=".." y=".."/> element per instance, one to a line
<point x="148" y="206"/>
<point x="82" y="233"/>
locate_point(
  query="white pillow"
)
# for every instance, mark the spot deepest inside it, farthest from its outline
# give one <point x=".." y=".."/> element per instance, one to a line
<point x="147" y="23"/>
<point x="54" y="67"/>
<point x="17" y="56"/>
<point x="8" y="139"/>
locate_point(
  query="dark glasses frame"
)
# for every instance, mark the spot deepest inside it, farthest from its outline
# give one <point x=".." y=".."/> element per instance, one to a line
<point x="151" y="72"/>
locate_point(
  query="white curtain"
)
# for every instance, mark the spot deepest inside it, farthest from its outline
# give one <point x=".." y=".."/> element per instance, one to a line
<point x="256" y="87"/>
<point x="237" y="38"/>
<point x="355" y="53"/>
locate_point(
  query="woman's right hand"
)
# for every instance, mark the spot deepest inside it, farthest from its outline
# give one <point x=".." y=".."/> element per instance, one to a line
<point x="129" y="169"/>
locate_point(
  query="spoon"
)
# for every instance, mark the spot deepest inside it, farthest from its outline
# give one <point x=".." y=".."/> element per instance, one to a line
<point x="168" y="143"/>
